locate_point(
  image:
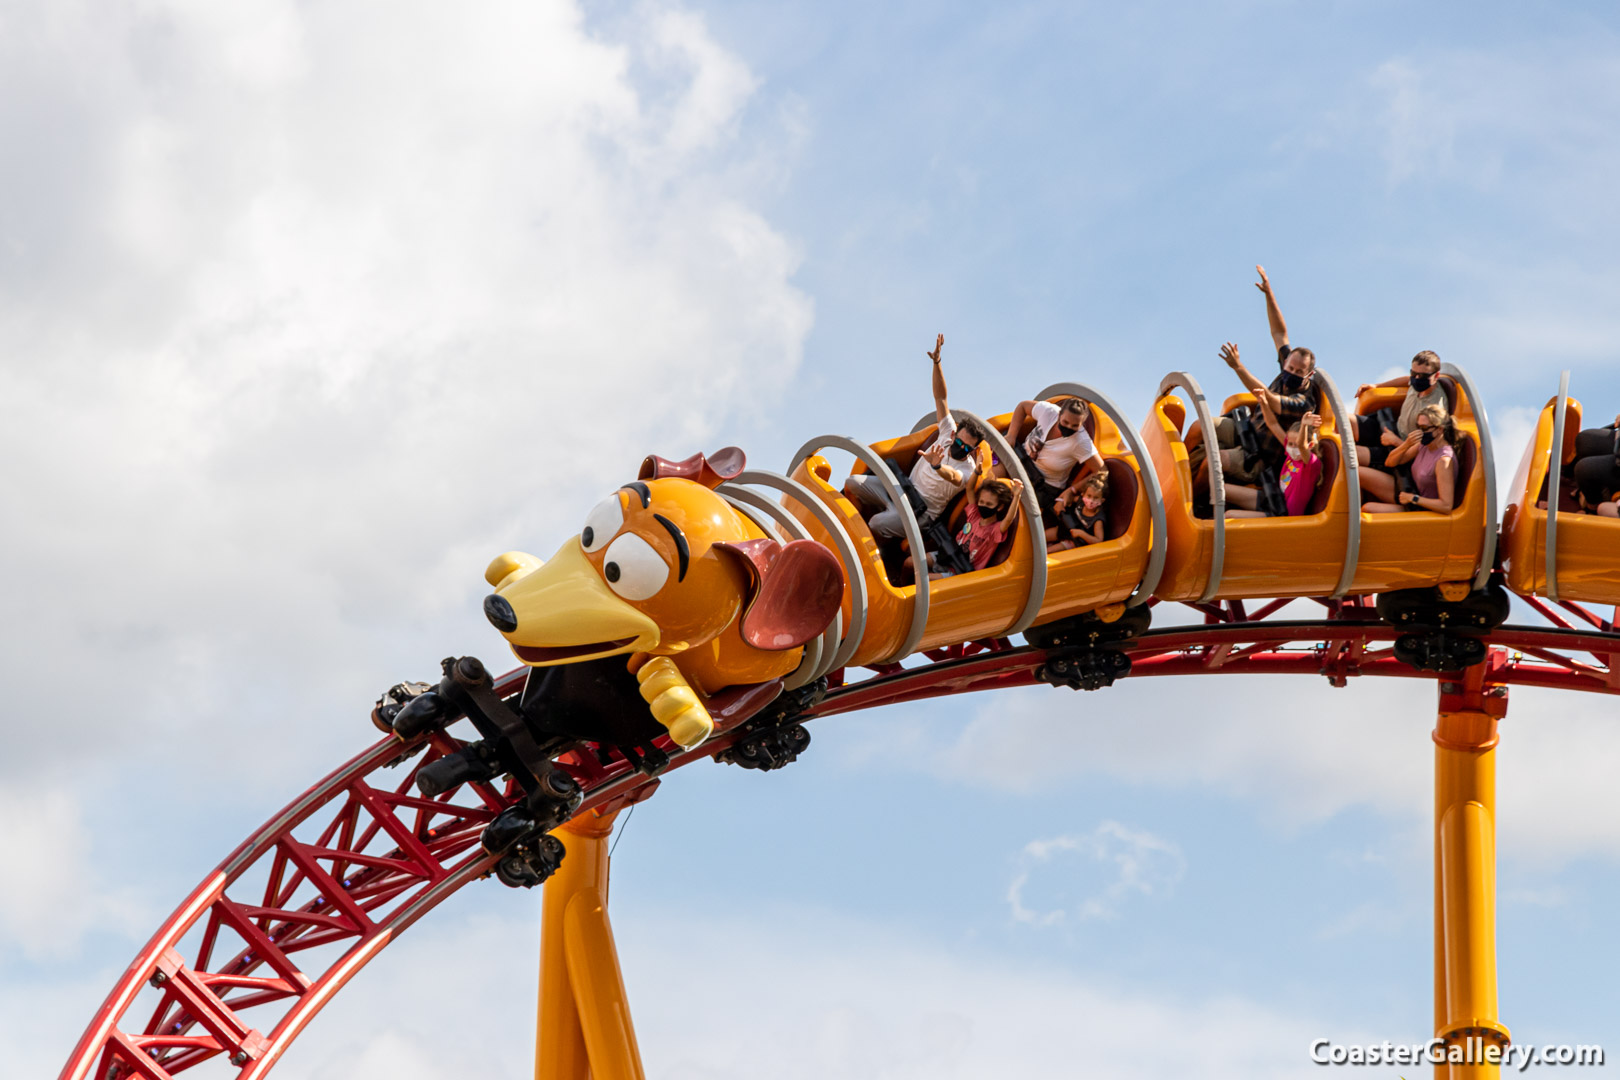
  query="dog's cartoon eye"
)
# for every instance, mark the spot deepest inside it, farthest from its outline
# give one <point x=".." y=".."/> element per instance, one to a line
<point x="633" y="568"/>
<point x="603" y="522"/>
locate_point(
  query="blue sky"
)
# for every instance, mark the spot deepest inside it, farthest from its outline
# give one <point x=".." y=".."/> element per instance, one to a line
<point x="304" y="314"/>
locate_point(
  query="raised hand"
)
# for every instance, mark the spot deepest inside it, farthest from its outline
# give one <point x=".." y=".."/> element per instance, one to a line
<point x="1264" y="284"/>
<point x="939" y="344"/>
<point x="1229" y="353"/>
<point x="1311" y="420"/>
<point x="934" y="454"/>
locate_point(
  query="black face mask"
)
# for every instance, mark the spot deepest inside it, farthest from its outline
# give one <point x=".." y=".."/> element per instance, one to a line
<point x="959" y="449"/>
<point x="1428" y="436"/>
<point x="1291" y="382"/>
<point x="1065" y="432"/>
<point x="1420" y="383"/>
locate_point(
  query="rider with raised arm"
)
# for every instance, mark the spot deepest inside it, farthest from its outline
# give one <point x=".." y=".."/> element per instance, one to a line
<point x="945" y="468"/>
<point x="1289" y="396"/>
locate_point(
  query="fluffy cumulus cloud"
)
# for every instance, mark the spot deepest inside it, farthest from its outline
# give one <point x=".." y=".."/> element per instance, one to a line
<point x="1299" y="753"/>
<point x="845" y="999"/>
<point x="52" y="891"/>
<point x="306" y="312"/>
<point x="1089" y="876"/>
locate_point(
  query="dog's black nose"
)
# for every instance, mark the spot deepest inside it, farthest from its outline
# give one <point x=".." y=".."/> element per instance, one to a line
<point x="500" y="613"/>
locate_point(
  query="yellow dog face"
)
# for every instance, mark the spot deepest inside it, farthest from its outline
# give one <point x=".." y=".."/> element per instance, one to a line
<point x="643" y="575"/>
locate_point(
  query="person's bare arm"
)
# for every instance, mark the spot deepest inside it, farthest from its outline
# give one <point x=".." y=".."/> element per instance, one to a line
<point x="1093" y="535"/>
<point x="1445" y="482"/>
<point x="1270" y="414"/>
<point x="935" y="456"/>
<point x="1387" y="384"/>
<point x="1066" y="498"/>
<point x="1274" y="316"/>
<point x="1011" y="512"/>
<point x="941" y="409"/>
<point x="1017" y="426"/>
<point x="1229" y="353"/>
<point x="1406" y="451"/>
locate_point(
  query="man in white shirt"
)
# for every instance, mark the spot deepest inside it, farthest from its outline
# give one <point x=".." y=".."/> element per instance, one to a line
<point x="950" y="464"/>
<point x="1050" y="440"/>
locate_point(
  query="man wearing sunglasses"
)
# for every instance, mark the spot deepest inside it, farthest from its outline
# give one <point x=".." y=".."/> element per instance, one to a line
<point x="1374" y="435"/>
<point x="943" y="469"/>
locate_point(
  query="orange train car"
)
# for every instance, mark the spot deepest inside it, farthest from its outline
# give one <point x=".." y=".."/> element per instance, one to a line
<point x="1335" y="548"/>
<point x="1215" y="559"/>
<point x="704" y="525"/>
<point x="1027" y="585"/>
<point x="1417" y="549"/>
<point x="1563" y="553"/>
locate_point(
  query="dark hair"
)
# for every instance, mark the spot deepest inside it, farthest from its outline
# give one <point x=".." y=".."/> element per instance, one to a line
<point x="1310" y="357"/>
<point x="1428" y="357"/>
<point x="999" y="490"/>
<point x="1074" y="405"/>
<point x="968" y="427"/>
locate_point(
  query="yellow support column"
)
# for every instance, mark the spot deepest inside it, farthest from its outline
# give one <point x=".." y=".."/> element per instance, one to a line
<point x="1465" y="1000"/>
<point x="583" y="1029"/>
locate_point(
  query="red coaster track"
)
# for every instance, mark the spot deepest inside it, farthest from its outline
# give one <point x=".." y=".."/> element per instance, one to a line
<point x="263" y="943"/>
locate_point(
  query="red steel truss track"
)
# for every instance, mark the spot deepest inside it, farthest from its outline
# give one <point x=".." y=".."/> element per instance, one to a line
<point x="265" y="941"/>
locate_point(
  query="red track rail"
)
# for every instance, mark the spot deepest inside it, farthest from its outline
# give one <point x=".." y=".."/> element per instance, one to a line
<point x="262" y="944"/>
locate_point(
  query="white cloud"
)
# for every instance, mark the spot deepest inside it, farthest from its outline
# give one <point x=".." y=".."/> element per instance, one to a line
<point x="1128" y="862"/>
<point x="309" y="311"/>
<point x="52" y="892"/>
<point x="1296" y="750"/>
<point x="1475" y="117"/>
<point x="736" y="997"/>
<point x="1300" y="750"/>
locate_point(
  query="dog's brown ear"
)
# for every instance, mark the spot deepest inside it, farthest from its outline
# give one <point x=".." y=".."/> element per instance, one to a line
<point x="709" y="470"/>
<point x="794" y="591"/>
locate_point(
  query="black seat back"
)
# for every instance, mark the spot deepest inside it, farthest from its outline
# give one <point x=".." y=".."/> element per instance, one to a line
<point x="1467" y="453"/>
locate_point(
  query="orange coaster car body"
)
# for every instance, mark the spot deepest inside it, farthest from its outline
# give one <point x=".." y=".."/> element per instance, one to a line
<point x="986" y="603"/>
<point x="1585" y="566"/>
<point x="1269" y="557"/>
<point x="1419" y="548"/>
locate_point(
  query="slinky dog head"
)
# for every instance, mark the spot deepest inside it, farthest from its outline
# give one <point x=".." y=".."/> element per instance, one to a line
<point x="662" y="565"/>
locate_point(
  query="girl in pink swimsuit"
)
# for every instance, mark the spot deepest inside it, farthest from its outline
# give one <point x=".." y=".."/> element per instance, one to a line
<point x="1301" y="470"/>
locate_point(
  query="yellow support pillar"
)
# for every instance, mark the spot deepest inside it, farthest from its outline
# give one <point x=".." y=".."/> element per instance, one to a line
<point x="1466" y="1016"/>
<point x="583" y="1029"/>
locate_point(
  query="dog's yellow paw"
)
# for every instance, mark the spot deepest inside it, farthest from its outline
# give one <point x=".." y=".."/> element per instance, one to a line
<point x="674" y="703"/>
